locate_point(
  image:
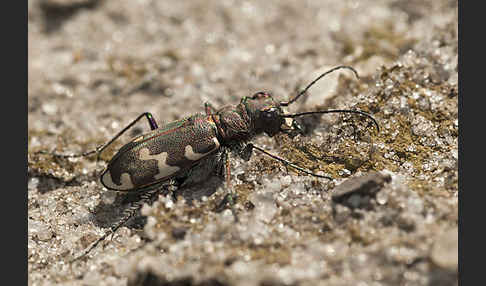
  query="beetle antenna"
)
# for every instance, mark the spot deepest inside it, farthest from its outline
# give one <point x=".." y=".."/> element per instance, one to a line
<point x="315" y="80"/>
<point x="335" y="111"/>
<point x="287" y="163"/>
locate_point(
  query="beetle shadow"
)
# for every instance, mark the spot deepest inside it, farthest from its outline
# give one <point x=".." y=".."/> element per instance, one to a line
<point x="197" y="192"/>
<point x="361" y="128"/>
<point x="106" y="215"/>
<point x="47" y="183"/>
<point x="54" y="15"/>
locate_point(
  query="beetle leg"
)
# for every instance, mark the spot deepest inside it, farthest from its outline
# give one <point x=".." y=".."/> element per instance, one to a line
<point x="201" y="171"/>
<point x="99" y="149"/>
<point x="209" y="108"/>
<point x="285" y="162"/>
<point x="130" y="212"/>
<point x="246" y="152"/>
<point x="230" y="197"/>
<point x="152" y="123"/>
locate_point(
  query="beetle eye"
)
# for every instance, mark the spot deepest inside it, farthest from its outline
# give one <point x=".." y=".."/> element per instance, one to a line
<point x="270" y="112"/>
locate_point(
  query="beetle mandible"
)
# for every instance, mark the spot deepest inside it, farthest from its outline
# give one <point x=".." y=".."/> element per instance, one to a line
<point x="187" y="151"/>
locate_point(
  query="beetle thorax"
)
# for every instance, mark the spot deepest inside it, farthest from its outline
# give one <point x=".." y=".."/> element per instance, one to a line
<point x="233" y="123"/>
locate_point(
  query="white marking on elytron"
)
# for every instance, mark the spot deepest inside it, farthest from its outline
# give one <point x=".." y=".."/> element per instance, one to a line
<point x="193" y="156"/>
<point x="164" y="169"/>
<point x="126" y="182"/>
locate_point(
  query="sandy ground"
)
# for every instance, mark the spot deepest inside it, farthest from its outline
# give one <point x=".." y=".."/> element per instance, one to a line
<point x="94" y="66"/>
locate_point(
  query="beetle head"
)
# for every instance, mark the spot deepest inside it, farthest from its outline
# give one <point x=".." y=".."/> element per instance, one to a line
<point x="265" y="113"/>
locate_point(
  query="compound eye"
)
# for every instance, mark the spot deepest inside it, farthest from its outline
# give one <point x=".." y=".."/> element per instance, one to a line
<point x="270" y="113"/>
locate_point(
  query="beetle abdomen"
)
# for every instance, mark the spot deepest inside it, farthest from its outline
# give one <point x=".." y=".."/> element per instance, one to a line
<point x="160" y="154"/>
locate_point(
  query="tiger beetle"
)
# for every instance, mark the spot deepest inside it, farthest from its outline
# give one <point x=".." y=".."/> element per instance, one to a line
<point x="185" y="152"/>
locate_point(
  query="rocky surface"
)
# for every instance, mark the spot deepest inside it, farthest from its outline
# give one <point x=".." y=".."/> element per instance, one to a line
<point x="96" y="65"/>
